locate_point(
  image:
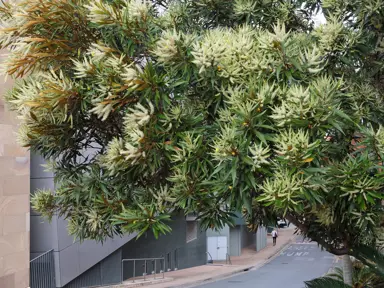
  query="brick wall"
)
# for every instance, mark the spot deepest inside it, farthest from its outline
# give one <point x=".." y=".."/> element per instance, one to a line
<point x="14" y="202"/>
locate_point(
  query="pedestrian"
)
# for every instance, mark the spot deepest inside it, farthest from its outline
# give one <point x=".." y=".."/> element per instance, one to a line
<point x="274" y="236"/>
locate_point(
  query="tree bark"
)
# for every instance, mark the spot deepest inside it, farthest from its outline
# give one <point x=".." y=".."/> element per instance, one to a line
<point x="347" y="269"/>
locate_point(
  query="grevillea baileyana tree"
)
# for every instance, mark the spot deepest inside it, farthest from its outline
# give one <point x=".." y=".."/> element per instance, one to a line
<point x="148" y="108"/>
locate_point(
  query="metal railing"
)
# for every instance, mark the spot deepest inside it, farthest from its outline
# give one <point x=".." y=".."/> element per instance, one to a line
<point x="176" y="259"/>
<point x="42" y="271"/>
<point x="145" y="266"/>
<point x="209" y="261"/>
<point x="169" y="260"/>
<point x="228" y="259"/>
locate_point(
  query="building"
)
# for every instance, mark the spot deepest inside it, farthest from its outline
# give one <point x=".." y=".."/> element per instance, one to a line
<point x="230" y="241"/>
<point x="14" y="202"/>
<point x="91" y="264"/>
<point x="61" y="261"/>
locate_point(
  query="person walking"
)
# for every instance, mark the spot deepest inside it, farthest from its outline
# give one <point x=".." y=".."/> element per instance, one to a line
<point x="274" y="236"/>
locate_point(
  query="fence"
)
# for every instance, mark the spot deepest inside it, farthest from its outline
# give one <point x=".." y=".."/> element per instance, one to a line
<point x="42" y="271"/>
<point x="145" y="262"/>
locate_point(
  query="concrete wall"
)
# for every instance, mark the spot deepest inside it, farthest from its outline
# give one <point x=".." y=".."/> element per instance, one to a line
<point x="240" y="238"/>
<point x="235" y="241"/>
<point x="261" y="238"/>
<point x="14" y="202"/>
<point x="247" y="238"/>
<point x="174" y="247"/>
<point x="106" y="272"/>
<point x="223" y="232"/>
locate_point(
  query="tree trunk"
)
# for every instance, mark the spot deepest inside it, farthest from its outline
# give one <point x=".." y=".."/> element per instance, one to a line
<point x="347" y="269"/>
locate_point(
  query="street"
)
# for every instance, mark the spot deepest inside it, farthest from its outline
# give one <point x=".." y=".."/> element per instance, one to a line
<point x="299" y="262"/>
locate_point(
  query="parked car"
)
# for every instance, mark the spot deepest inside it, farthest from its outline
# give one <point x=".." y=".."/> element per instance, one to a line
<point x="281" y="223"/>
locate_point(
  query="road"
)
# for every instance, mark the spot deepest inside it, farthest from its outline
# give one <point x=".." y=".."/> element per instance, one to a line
<point x="298" y="263"/>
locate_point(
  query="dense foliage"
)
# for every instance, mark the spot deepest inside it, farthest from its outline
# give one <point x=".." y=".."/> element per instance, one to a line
<point x="363" y="276"/>
<point x="205" y="106"/>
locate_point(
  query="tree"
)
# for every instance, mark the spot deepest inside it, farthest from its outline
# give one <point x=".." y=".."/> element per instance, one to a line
<point x="369" y="276"/>
<point x="151" y="107"/>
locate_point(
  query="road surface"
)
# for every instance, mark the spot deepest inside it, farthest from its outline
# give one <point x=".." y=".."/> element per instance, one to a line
<point x="298" y="263"/>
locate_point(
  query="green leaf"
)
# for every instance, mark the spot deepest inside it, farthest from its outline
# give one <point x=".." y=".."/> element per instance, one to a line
<point x="325" y="282"/>
<point x="260" y="136"/>
<point x="234" y="174"/>
<point x="340" y="113"/>
<point x="336" y="125"/>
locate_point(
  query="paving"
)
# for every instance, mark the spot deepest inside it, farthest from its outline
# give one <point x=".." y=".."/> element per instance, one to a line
<point x="297" y="263"/>
<point x="250" y="259"/>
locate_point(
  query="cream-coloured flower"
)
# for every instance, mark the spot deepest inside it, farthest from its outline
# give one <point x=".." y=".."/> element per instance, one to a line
<point x="132" y="153"/>
<point x="22" y="137"/>
<point x="102" y="13"/>
<point x="98" y="52"/>
<point x="166" y="48"/>
<point x="380" y="139"/>
<point x="232" y="53"/>
<point x="83" y="68"/>
<point x="260" y="155"/>
<point x="138" y="10"/>
<point x="138" y="116"/>
<point x="295" y="146"/>
<point x="130" y="75"/>
<point x="224" y="148"/>
<point x="102" y="109"/>
<point x="244" y="7"/>
<point x="94" y="220"/>
<point x="135" y="135"/>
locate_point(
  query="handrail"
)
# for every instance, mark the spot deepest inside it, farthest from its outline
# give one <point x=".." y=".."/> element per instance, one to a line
<point x="145" y="267"/>
<point x="41" y="255"/>
<point x="148" y="259"/>
<point x="228" y="259"/>
<point x="210" y="256"/>
<point x="176" y="258"/>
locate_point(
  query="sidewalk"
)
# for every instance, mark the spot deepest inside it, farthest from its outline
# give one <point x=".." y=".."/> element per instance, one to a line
<point x="248" y="260"/>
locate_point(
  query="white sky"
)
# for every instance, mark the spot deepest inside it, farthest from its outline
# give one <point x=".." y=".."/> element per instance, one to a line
<point x="319" y="19"/>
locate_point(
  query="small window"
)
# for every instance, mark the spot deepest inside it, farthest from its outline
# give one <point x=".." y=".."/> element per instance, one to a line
<point x="191" y="230"/>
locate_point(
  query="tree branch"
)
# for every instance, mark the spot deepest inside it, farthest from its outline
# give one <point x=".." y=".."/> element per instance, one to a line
<point x="297" y="223"/>
<point x="305" y="230"/>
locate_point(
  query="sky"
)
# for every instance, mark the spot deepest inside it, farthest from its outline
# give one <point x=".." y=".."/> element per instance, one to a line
<point x="319" y="19"/>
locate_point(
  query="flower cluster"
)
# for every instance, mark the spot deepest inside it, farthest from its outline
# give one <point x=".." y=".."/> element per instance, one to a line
<point x="122" y="153"/>
<point x="295" y="146"/>
<point x="232" y="54"/>
<point x="225" y="144"/>
<point x="260" y="155"/>
<point x="172" y="46"/>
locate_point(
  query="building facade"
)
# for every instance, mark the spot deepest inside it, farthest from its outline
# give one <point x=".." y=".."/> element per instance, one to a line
<point x="231" y="240"/>
<point x="14" y="202"/>
<point x="89" y="263"/>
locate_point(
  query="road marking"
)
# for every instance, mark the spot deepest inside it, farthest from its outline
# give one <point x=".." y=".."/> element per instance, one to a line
<point x="293" y="253"/>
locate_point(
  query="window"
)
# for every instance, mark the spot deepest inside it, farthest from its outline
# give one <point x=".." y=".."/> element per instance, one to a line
<point x="191" y="230"/>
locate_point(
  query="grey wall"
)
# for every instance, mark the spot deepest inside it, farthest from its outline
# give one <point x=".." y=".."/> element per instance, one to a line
<point x="178" y="253"/>
<point x="222" y="232"/>
<point x="247" y="238"/>
<point x="235" y="241"/>
<point x="106" y="272"/>
<point x="261" y="238"/>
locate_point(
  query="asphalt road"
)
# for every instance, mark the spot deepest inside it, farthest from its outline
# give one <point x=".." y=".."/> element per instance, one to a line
<point x="296" y="264"/>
